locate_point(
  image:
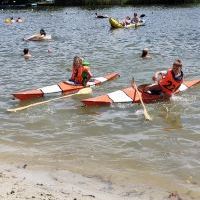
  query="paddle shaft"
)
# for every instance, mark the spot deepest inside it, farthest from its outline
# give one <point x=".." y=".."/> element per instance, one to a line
<point x="146" y="115"/>
<point x="87" y="90"/>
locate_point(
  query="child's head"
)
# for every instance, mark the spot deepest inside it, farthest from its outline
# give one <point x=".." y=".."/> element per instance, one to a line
<point x="144" y="52"/>
<point x="26" y="50"/>
<point x="177" y="66"/>
<point x="77" y="61"/>
<point x="42" y="32"/>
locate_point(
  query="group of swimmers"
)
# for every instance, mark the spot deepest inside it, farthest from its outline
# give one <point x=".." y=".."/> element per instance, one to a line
<point x="134" y="20"/>
<point x="11" y="20"/>
<point x="40" y="35"/>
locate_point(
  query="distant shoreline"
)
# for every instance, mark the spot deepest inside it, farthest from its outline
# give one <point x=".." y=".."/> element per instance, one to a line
<point x="65" y="3"/>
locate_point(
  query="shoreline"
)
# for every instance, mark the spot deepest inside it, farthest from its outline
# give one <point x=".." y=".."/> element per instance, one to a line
<point x="21" y="181"/>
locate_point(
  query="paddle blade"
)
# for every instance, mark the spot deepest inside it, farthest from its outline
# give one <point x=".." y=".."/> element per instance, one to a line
<point x="147" y="116"/>
<point x="83" y="93"/>
<point x="87" y="90"/>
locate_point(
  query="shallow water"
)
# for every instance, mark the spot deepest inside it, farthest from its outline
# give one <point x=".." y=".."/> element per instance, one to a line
<point x="114" y="143"/>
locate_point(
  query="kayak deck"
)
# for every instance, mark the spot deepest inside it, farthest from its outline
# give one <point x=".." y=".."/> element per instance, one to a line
<point x="65" y="87"/>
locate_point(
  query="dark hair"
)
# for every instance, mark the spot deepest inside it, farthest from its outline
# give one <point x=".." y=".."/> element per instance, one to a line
<point x="42" y="32"/>
<point x="26" y="50"/>
<point x="178" y="62"/>
<point x="144" y="53"/>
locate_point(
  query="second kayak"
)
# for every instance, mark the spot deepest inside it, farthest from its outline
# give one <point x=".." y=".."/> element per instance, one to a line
<point x="129" y="95"/>
<point x="114" y="23"/>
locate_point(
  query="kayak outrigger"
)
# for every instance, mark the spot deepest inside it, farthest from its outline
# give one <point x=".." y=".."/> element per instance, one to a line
<point x="130" y="95"/>
<point x="64" y="87"/>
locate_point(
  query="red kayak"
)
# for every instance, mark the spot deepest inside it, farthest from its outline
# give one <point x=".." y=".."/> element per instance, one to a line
<point x="129" y="95"/>
<point x="65" y="87"/>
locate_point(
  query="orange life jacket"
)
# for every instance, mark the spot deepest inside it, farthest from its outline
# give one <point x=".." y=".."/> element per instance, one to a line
<point x="169" y="84"/>
<point x="77" y="74"/>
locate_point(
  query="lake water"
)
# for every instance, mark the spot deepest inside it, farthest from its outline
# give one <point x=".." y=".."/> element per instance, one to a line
<point x="114" y="143"/>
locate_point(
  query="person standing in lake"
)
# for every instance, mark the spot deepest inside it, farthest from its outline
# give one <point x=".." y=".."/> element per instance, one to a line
<point x="27" y="54"/>
<point x="145" y="53"/>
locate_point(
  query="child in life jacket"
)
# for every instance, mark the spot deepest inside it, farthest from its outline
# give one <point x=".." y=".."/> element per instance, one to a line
<point x="167" y="82"/>
<point x="80" y="74"/>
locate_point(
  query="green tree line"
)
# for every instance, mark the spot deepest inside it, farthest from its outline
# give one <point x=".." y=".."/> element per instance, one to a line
<point x="99" y="2"/>
<point x="121" y="2"/>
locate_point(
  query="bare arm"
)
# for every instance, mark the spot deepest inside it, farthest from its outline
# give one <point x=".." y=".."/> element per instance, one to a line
<point x="159" y="75"/>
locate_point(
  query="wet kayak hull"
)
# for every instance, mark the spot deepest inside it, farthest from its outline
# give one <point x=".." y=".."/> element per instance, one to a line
<point x="64" y="87"/>
<point x="129" y="95"/>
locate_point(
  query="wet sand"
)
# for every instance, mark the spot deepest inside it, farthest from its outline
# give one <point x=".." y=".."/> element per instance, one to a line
<point x="24" y="182"/>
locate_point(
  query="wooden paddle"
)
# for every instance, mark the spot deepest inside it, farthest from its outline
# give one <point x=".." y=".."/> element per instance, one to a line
<point x="146" y="115"/>
<point x="85" y="91"/>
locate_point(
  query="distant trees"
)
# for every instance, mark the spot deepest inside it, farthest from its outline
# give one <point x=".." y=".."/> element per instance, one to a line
<point x="15" y="2"/>
<point x="120" y="2"/>
<point x="69" y="2"/>
<point x="99" y="2"/>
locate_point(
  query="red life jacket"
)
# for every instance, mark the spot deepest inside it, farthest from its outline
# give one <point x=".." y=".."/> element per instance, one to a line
<point x="77" y="74"/>
<point x="169" y="84"/>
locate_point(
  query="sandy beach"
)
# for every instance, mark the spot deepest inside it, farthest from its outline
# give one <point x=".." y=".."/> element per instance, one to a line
<point x="24" y="182"/>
